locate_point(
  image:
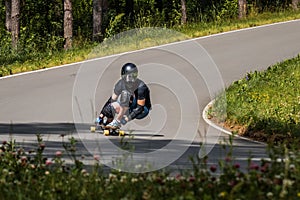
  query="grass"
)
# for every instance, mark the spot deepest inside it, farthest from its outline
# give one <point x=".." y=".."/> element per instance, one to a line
<point x="31" y="175"/>
<point x="140" y="40"/>
<point x="263" y="105"/>
<point x="252" y="20"/>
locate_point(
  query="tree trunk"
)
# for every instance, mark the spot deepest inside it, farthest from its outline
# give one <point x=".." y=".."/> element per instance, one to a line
<point x="104" y="6"/>
<point x="183" y="12"/>
<point x="97" y="19"/>
<point x="68" y="24"/>
<point x="15" y="22"/>
<point x="295" y="4"/>
<point x="8" y="15"/>
<point x="242" y="8"/>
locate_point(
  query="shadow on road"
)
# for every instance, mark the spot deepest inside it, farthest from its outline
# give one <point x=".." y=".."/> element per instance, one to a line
<point x="56" y="134"/>
<point x="37" y="128"/>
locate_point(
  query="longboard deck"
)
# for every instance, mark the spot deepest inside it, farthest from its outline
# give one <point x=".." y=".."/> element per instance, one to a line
<point x="107" y="130"/>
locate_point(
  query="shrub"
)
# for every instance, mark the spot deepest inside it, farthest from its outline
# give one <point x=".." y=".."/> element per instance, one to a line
<point x="31" y="175"/>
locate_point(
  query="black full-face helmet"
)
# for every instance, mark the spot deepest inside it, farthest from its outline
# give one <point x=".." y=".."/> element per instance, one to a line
<point x="129" y="73"/>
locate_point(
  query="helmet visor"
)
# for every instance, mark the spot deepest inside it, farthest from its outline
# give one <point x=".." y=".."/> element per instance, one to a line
<point x="130" y="78"/>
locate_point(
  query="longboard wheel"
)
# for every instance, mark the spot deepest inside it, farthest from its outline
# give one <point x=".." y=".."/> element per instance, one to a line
<point x="121" y="133"/>
<point x="93" y="129"/>
<point x="106" y="132"/>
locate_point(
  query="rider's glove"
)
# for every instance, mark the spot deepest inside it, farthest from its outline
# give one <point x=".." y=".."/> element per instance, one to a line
<point x="123" y="121"/>
<point x="98" y="120"/>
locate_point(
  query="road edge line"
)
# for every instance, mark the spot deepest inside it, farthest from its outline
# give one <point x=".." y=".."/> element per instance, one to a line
<point x="220" y="128"/>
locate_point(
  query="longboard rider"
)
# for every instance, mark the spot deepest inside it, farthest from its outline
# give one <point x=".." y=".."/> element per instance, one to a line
<point x="130" y="100"/>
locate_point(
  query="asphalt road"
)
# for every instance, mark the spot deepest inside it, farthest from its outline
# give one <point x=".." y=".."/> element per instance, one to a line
<point x="183" y="77"/>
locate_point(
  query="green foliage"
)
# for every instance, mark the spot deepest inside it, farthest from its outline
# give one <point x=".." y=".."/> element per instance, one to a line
<point x="115" y="26"/>
<point x="41" y="25"/>
<point x="229" y="9"/>
<point x="276" y="177"/>
<point x="266" y="101"/>
<point x="82" y="18"/>
<point x="221" y="10"/>
<point x="267" y="5"/>
<point x="41" y="28"/>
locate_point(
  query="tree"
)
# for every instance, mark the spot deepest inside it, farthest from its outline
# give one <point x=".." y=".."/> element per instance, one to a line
<point x="183" y="12"/>
<point x="295" y="4"/>
<point x="242" y="8"/>
<point x="97" y="19"/>
<point x="68" y="24"/>
<point x="8" y="15"/>
<point x="15" y="22"/>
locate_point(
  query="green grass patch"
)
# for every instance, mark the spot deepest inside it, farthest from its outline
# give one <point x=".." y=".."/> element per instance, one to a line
<point x="83" y="50"/>
<point x="47" y="60"/>
<point x="263" y="104"/>
<point x="202" y="29"/>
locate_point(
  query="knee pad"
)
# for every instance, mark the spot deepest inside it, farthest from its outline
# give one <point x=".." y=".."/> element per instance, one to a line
<point x="108" y="111"/>
<point x="143" y="114"/>
<point x="124" y="98"/>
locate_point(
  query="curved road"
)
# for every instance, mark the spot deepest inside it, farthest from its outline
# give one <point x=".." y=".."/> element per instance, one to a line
<point x="62" y="100"/>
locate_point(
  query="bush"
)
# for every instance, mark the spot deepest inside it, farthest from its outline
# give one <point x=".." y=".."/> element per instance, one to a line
<point x="31" y="175"/>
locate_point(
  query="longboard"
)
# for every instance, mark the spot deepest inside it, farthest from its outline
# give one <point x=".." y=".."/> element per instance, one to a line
<point x="107" y="130"/>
